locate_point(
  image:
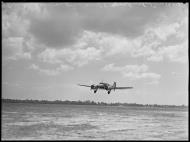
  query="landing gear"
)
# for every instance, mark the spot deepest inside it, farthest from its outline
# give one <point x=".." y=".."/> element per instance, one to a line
<point x="95" y="91"/>
<point x="108" y="92"/>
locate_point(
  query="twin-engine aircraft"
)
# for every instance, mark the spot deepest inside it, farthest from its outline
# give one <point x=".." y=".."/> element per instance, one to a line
<point x="105" y="86"/>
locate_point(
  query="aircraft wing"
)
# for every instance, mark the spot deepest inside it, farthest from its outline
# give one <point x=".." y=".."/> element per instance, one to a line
<point x="84" y="85"/>
<point x="123" y="87"/>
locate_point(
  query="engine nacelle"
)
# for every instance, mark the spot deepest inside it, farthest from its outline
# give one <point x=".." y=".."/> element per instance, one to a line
<point x="92" y="86"/>
<point x="106" y="87"/>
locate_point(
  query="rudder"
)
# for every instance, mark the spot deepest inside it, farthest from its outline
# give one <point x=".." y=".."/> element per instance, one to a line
<point x="114" y="85"/>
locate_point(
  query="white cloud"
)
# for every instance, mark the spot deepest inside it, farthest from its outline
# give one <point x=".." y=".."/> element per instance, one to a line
<point x="133" y="72"/>
<point x="175" y="53"/>
<point x="163" y="31"/>
<point x="97" y="41"/>
<point x="33" y="66"/>
<point x="108" y="44"/>
<point x="13" y="24"/>
<point x="156" y="57"/>
<point x="155" y="45"/>
<point x="96" y="46"/>
<point x="83" y="56"/>
<point x="49" y="56"/>
<point x="36" y="9"/>
<point x="51" y="72"/>
<point x="89" y="47"/>
<point x="152" y="45"/>
<point x="17" y="41"/>
<point x="74" y="56"/>
<point x="16" y="18"/>
<point x="13" y="48"/>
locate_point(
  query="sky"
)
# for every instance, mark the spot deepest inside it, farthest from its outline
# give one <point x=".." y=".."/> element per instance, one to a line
<point x="48" y="48"/>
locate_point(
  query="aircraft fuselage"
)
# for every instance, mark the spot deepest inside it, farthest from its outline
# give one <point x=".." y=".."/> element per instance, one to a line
<point x="104" y="86"/>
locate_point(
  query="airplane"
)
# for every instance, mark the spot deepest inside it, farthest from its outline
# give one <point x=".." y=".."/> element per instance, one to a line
<point x="106" y="86"/>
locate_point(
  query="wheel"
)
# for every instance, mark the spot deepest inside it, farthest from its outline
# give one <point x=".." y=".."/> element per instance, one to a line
<point x="94" y="91"/>
<point x="108" y="92"/>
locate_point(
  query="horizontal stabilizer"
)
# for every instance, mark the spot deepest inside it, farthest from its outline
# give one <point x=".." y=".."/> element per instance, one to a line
<point x="123" y="87"/>
<point x="84" y="85"/>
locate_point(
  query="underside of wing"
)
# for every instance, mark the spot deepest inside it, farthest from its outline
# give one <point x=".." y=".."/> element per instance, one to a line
<point x="123" y="87"/>
<point x="84" y="85"/>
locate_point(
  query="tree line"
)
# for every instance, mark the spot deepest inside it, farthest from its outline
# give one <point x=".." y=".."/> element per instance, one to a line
<point x="87" y="102"/>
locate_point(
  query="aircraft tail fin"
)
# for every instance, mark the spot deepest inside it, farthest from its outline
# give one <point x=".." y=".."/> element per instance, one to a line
<point x="114" y="85"/>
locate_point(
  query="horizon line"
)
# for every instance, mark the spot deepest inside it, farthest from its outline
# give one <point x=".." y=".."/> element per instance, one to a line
<point x="91" y="101"/>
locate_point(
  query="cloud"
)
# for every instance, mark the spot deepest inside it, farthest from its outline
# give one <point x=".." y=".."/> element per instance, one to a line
<point x="51" y="72"/>
<point x="108" y="44"/>
<point x="59" y="28"/>
<point x="64" y="23"/>
<point x="13" y="48"/>
<point x="69" y="33"/>
<point x="16" y="18"/>
<point x="13" y="24"/>
<point x="151" y="45"/>
<point x="49" y="56"/>
<point x="74" y="56"/>
<point x="92" y="46"/>
<point x="133" y="72"/>
<point x="177" y="53"/>
<point x="164" y="41"/>
<point x="17" y="41"/>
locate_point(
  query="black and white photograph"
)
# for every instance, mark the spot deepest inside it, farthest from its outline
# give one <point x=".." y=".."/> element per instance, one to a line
<point x="95" y="71"/>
